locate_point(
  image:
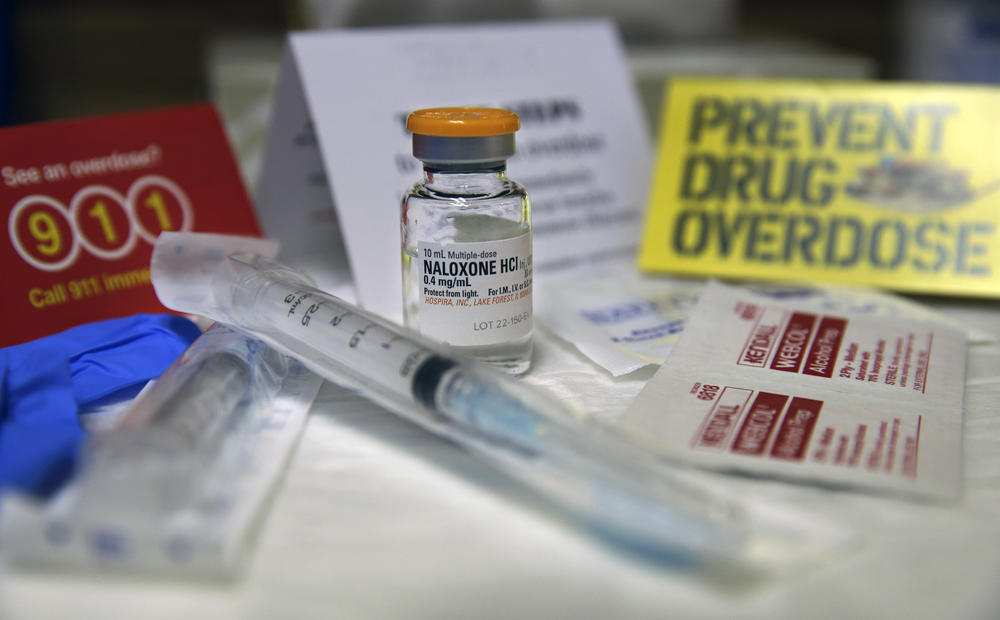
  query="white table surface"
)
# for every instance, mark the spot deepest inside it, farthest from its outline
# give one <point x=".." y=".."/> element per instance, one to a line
<point x="378" y="519"/>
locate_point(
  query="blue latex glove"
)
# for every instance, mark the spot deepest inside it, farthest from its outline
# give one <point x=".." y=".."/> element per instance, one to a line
<point x="46" y="384"/>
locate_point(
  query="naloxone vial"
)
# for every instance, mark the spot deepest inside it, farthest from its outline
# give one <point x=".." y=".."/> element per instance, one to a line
<point x="466" y="237"/>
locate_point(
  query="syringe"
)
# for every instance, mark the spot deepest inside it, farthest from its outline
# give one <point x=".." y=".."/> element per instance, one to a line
<point x="592" y="472"/>
<point x="176" y="483"/>
<point x="153" y="460"/>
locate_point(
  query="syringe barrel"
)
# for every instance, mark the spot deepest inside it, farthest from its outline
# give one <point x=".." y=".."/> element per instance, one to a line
<point x="378" y="358"/>
<point x="392" y="364"/>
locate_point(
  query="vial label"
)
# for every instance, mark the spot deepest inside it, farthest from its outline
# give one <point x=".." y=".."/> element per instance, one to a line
<point x="475" y="293"/>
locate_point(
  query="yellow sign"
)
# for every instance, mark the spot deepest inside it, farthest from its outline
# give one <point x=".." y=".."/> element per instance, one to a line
<point x="895" y="185"/>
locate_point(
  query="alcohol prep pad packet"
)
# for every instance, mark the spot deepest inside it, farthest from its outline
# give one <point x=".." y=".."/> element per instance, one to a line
<point x="831" y="397"/>
<point x="625" y="321"/>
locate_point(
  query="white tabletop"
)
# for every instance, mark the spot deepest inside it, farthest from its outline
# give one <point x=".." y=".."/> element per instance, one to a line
<point x="378" y="519"/>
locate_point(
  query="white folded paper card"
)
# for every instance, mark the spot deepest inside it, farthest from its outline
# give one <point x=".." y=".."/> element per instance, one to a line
<point x="767" y="388"/>
<point x="338" y="138"/>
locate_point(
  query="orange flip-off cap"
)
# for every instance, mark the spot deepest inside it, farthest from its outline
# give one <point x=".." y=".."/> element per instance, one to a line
<point x="462" y="122"/>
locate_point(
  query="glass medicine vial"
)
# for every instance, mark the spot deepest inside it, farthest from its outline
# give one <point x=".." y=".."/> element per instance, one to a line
<point x="466" y="237"/>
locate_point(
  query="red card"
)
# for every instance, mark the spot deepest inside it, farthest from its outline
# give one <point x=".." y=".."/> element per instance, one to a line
<point x="84" y="201"/>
